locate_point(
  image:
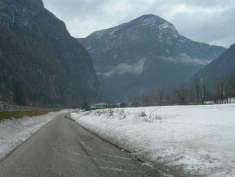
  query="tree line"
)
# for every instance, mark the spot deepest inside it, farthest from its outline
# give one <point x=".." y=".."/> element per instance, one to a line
<point x="198" y="92"/>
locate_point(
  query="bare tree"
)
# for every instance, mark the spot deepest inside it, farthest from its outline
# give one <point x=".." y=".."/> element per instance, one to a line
<point x="230" y="86"/>
<point x="182" y="94"/>
<point x="221" y="93"/>
<point x="200" y="90"/>
<point x="158" y="96"/>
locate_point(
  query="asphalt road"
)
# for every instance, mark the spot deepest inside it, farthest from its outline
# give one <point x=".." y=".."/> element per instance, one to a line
<point x="63" y="148"/>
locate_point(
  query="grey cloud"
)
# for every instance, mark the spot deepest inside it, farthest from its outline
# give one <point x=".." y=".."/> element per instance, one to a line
<point x="210" y="21"/>
<point x="125" y="68"/>
<point x="187" y="60"/>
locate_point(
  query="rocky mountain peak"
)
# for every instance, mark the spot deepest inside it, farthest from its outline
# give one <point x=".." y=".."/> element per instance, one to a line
<point x="14" y="12"/>
<point x="150" y="19"/>
<point x="143" y="54"/>
<point x="34" y="3"/>
<point x="151" y="24"/>
<point x="156" y="22"/>
<point x="232" y="46"/>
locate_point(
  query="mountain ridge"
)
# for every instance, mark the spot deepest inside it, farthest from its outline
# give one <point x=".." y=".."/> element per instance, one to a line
<point x="145" y="53"/>
<point x="220" y="70"/>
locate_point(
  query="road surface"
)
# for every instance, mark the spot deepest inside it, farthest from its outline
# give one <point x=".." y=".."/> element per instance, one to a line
<point x="63" y="148"/>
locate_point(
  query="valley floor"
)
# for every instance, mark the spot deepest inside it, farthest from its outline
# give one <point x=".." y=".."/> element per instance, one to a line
<point x="199" y="139"/>
<point x="62" y="148"/>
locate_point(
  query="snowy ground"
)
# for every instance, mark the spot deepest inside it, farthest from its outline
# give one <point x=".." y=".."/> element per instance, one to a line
<point x="201" y="139"/>
<point x="16" y="131"/>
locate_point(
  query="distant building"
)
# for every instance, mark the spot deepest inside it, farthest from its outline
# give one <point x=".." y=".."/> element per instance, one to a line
<point x="108" y="105"/>
<point x="99" y="106"/>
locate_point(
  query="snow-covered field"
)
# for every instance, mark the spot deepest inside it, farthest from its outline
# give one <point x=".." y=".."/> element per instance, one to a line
<point x="16" y="131"/>
<point x="201" y="139"/>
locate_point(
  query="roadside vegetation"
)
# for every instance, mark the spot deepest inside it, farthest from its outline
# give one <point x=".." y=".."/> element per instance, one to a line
<point x="21" y="114"/>
<point x="196" y="139"/>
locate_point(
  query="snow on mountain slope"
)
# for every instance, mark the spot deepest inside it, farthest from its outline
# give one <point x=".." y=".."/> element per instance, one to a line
<point x="201" y="139"/>
<point x="170" y="58"/>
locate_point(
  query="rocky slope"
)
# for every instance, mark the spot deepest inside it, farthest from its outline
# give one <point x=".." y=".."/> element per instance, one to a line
<point x="220" y="70"/>
<point x="40" y="63"/>
<point x="143" y="54"/>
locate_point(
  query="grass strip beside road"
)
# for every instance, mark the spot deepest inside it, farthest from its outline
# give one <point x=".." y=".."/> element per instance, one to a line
<point x="21" y="114"/>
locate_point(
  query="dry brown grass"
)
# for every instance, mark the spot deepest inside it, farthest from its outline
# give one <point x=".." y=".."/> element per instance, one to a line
<point x="20" y="114"/>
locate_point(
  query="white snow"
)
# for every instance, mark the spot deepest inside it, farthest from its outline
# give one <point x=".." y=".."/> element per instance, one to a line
<point x="231" y="100"/>
<point x="168" y="28"/>
<point x="164" y="26"/>
<point x="150" y="21"/>
<point x="15" y="131"/>
<point x="201" y="139"/>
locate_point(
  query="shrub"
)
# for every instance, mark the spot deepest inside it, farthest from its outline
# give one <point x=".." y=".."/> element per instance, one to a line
<point x="86" y="107"/>
<point x="122" y="114"/>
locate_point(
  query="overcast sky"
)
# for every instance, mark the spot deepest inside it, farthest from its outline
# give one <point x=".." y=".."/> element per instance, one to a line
<point x="211" y="21"/>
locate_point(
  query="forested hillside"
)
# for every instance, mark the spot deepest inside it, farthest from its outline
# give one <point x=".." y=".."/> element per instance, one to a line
<point x="40" y="63"/>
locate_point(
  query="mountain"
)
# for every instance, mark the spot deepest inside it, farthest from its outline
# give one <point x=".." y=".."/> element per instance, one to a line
<point x="143" y="54"/>
<point x="40" y="63"/>
<point x="220" y="70"/>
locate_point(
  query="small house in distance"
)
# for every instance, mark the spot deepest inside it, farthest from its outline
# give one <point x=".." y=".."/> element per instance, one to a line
<point x="108" y="105"/>
<point x="99" y="106"/>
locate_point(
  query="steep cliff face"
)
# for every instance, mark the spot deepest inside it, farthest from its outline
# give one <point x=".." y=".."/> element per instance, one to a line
<point x="144" y="54"/>
<point x="40" y="63"/>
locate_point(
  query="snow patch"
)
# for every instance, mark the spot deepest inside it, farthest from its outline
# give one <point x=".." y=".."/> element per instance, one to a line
<point x="164" y="26"/>
<point x="150" y="21"/>
<point x="201" y="139"/>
